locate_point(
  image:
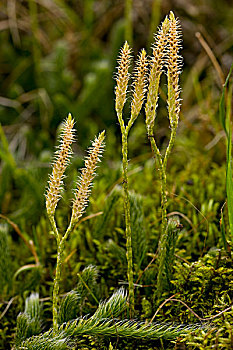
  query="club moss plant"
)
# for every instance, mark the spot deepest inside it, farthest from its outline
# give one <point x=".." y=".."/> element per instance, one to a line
<point x="81" y="195"/>
<point x="165" y="55"/>
<point x="139" y="85"/>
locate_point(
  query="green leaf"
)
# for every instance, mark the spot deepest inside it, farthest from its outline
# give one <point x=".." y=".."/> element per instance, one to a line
<point x="225" y="120"/>
<point x="87" y="282"/>
<point x="223" y="230"/>
<point x="108" y="212"/>
<point x="5" y="261"/>
<point x="29" y="322"/>
<point x="69" y="307"/>
<point x="229" y="183"/>
<point x="113" y="306"/>
<point x="25" y="268"/>
<point x="5" y="153"/>
<point x="139" y="241"/>
<point x="222" y="113"/>
<point x="45" y="341"/>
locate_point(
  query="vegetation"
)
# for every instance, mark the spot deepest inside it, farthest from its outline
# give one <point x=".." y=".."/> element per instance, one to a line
<point x="145" y="260"/>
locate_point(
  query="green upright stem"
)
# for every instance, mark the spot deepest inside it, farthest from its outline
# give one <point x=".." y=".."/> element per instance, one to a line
<point x="163" y="181"/>
<point x="171" y="143"/>
<point x="164" y="237"/>
<point x="129" y="251"/>
<point x="128" y="233"/>
<point x="60" y="249"/>
<point x="69" y="230"/>
<point x="163" y="178"/>
<point x="54" y="227"/>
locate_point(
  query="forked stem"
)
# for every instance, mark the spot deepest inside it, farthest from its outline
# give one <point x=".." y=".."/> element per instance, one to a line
<point x="165" y="53"/>
<point x="128" y="233"/>
<point x="80" y="200"/>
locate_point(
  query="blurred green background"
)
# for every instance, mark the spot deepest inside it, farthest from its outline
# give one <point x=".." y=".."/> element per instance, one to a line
<point x="60" y="56"/>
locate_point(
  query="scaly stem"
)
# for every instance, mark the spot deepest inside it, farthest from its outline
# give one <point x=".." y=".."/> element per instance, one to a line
<point x="162" y="176"/>
<point x="163" y="182"/>
<point x="68" y="231"/>
<point x="60" y="249"/>
<point x="162" y="168"/>
<point x="171" y="143"/>
<point x="128" y="233"/>
<point x="163" y="237"/>
<point x="54" y="226"/>
<point x="129" y="252"/>
<point x="163" y="179"/>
